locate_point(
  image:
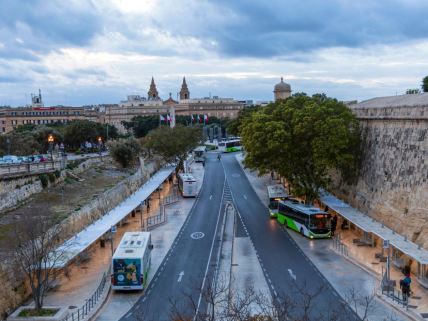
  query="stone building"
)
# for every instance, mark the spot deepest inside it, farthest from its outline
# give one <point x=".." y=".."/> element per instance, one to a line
<point x="11" y="118"/>
<point x="282" y="90"/>
<point x="393" y="183"/>
<point x="136" y="105"/>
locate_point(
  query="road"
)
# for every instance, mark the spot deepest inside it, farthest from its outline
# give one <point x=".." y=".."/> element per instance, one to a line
<point x="286" y="268"/>
<point x="189" y="264"/>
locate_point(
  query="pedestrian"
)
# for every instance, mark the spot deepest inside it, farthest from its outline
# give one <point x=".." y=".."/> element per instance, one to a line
<point x="405" y="287"/>
<point x="333" y="224"/>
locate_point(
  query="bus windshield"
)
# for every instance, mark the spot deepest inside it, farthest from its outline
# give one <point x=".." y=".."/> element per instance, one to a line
<point x="319" y="222"/>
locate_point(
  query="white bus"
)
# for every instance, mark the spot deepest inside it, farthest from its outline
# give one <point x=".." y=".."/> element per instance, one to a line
<point x="276" y="193"/>
<point x="199" y="153"/>
<point x="131" y="261"/>
<point x="230" y="145"/>
<point x="187" y="185"/>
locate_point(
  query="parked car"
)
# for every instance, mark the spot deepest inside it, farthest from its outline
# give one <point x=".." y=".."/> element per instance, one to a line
<point x="11" y="159"/>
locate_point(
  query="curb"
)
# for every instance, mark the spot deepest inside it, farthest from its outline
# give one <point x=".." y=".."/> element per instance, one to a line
<point x="102" y="302"/>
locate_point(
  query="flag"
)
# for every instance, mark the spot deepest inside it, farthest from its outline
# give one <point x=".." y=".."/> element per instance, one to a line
<point x="205" y="119"/>
<point x="161" y="118"/>
<point x="191" y="118"/>
<point x="168" y="118"/>
<point x="199" y="118"/>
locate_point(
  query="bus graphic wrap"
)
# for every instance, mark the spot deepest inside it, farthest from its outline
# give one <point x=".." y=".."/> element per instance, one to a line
<point x="126" y="272"/>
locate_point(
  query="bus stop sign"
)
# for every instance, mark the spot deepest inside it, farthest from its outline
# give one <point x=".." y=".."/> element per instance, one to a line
<point x="386" y="244"/>
<point x="113" y="229"/>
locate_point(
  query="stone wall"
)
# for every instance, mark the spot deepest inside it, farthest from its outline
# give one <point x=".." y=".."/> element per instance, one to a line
<point x="393" y="183"/>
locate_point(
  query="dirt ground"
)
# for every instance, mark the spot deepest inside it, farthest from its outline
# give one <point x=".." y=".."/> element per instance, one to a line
<point x="65" y="198"/>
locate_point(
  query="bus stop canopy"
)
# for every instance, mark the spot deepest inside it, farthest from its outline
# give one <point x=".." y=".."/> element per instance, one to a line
<point x="370" y="225"/>
<point x="81" y="241"/>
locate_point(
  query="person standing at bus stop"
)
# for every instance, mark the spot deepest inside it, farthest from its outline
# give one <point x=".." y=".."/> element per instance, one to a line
<point x="333" y="224"/>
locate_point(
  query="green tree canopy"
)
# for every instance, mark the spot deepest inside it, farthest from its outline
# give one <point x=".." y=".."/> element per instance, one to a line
<point x="173" y="143"/>
<point x="80" y="131"/>
<point x="233" y="125"/>
<point x="125" y="151"/>
<point x="303" y="138"/>
<point x="425" y="84"/>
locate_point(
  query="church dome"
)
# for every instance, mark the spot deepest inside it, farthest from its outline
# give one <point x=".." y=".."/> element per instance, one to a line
<point x="282" y="87"/>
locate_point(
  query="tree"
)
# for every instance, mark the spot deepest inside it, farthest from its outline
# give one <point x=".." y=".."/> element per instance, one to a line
<point x="125" y="151"/>
<point x="425" y="84"/>
<point x="233" y="126"/>
<point x="35" y="253"/>
<point x="78" y="132"/>
<point x="413" y="91"/>
<point x="173" y="143"/>
<point x="303" y="139"/>
<point x="142" y="125"/>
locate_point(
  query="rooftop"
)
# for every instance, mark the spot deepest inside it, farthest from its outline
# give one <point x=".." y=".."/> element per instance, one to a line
<point x="412" y="100"/>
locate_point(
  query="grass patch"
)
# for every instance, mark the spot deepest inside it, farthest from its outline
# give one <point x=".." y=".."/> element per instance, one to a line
<point x="38" y="313"/>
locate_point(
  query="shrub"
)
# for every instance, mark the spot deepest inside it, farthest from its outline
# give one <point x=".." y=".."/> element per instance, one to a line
<point x="124" y="151"/>
<point x="44" y="180"/>
<point x="51" y="177"/>
<point x="57" y="174"/>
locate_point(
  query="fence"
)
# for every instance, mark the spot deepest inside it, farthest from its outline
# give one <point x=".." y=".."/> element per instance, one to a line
<point x="339" y="246"/>
<point x="14" y="170"/>
<point x="156" y="220"/>
<point x="90" y="303"/>
<point x="389" y="289"/>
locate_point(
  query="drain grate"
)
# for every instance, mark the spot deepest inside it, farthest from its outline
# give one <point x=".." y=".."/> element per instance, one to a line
<point x="424" y="315"/>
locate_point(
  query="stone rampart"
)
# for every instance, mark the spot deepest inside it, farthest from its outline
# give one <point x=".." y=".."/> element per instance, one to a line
<point x="393" y="182"/>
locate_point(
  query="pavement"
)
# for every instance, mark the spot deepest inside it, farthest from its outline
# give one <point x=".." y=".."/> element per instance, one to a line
<point x="82" y="278"/>
<point x="289" y="273"/>
<point x="188" y="268"/>
<point x="345" y="276"/>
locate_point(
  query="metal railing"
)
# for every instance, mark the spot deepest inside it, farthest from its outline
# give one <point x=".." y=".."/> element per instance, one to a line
<point x="90" y="303"/>
<point x="339" y="246"/>
<point x="153" y="221"/>
<point x="170" y="199"/>
<point x="388" y="289"/>
<point x="9" y="170"/>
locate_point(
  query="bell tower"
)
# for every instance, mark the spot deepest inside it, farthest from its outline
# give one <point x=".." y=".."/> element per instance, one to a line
<point x="153" y="94"/>
<point x="184" y="92"/>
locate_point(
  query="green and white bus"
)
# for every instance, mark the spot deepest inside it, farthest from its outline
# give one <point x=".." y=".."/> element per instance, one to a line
<point x="276" y="193"/>
<point x="131" y="261"/>
<point x="307" y="220"/>
<point x="230" y="145"/>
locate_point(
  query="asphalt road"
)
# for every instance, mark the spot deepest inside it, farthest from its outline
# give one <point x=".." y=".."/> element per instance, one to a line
<point x="289" y="273"/>
<point x="190" y="263"/>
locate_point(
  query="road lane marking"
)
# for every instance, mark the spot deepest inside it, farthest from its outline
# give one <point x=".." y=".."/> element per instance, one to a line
<point x="211" y="197"/>
<point x="293" y="276"/>
<point x="180" y="276"/>
<point x="197" y="235"/>
<point x="245" y="196"/>
<point x="211" y="251"/>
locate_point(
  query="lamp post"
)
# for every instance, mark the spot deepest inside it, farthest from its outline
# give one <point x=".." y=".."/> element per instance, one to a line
<point x="100" y="142"/>
<point x="50" y="141"/>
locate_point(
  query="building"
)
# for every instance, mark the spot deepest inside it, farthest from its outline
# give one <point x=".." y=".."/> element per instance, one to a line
<point x="135" y="105"/>
<point x="282" y="90"/>
<point x="11" y="118"/>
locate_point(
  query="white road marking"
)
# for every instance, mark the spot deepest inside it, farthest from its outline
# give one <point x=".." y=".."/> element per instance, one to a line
<point x="245" y="196"/>
<point x="293" y="276"/>
<point x="180" y="276"/>
<point x="211" y="197"/>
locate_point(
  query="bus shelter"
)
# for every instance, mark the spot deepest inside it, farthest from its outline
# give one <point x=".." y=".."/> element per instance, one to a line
<point x="372" y="230"/>
<point x="83" y="240"/>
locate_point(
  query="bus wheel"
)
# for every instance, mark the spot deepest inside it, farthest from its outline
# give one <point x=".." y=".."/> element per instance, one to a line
<point x="301" y="231"/>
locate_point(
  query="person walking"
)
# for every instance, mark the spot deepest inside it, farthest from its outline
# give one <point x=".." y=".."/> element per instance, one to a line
<point x="333" y="224"/>
<point x="405" y="287"/>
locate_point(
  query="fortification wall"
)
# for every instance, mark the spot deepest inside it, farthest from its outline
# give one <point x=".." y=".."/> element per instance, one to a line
<point x="393" y="183"/>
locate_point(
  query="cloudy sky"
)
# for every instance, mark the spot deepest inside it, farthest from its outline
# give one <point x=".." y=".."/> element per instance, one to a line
<point x="98" y="51"/>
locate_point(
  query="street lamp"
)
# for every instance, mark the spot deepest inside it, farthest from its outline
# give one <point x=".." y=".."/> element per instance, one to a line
<point x="100" y="142"/>
<point x="50" y="141"/>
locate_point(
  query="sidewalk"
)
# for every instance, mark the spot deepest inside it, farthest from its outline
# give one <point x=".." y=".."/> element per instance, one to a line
<point x="119" y="303"/>
<point x="82" y="278"/>
<point x="335" y="268"/>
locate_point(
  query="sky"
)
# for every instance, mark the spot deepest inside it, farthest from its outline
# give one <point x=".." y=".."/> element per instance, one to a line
<point x="81" y="52"/>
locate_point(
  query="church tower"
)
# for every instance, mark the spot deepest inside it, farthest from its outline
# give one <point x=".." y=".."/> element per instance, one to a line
<point x="184" y="92"/>
<point x="152" y="94"/>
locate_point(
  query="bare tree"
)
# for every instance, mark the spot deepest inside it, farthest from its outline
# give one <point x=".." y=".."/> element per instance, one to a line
<point x="34" y="245"/>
